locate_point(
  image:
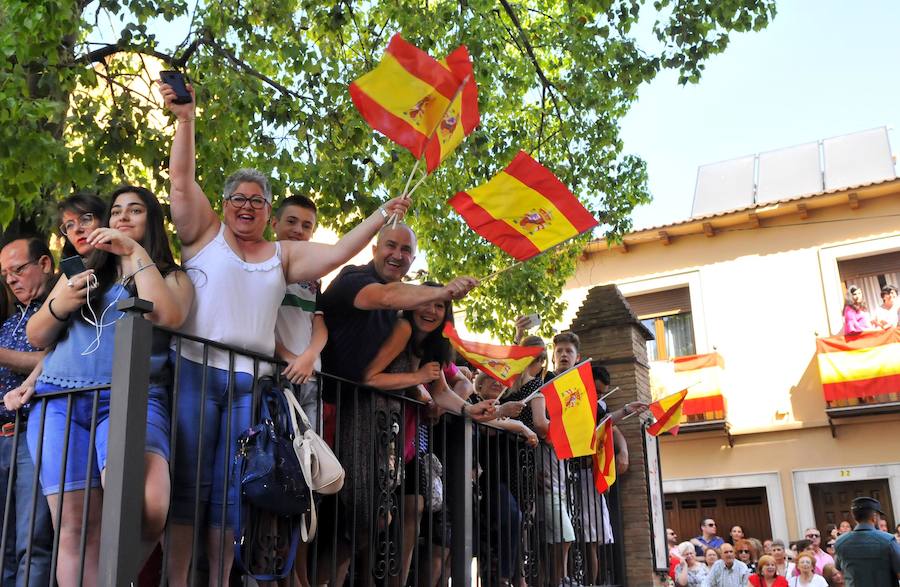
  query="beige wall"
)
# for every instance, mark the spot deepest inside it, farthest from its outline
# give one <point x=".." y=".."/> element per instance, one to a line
<point x="760" y="297"/>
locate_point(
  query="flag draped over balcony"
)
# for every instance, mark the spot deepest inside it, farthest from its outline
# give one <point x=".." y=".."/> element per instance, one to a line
<point x="859" y="365"/>
<point x="667" y="411"/>
<point x="699" y="374"/>
<point x="604" y="456"/>
<point x="406" y="96"/>
<point x="461" y="118"/>
<point x="503" y="363"/>
<point x="524" y="209"/>
<point x="572" y="408"/>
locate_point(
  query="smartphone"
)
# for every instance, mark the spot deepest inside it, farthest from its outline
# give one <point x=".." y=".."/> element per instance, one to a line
<point x="177" y="81"/>
<point x="72" y="266"/>
<point x="534" y="320"/>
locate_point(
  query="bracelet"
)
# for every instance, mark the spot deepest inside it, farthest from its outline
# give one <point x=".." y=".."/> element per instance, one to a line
<point x="190" y="119"/>
<point x="52" y="313"/>
<point x="462" y="410"/>
<point x="128" y="278"/>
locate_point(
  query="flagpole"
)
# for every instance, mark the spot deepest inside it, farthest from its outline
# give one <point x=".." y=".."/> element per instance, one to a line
<point x="518" y="263"/>
<point x="437" y="124"/>
<point x="609" y="393"/>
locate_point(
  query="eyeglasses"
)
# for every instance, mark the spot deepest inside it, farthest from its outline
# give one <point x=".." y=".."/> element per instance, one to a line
<point x="830" y="545"/>
<point x="810" y="535"/>
<point x="742" y="551"/>
<point x="17" y="271"/>
<point x="711" y="524"/>
<point x="240" y="200"/>
<point x="83" y="221"/>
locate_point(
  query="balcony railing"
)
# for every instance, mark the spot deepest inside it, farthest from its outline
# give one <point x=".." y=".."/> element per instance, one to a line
<point x="514" y="511"/>
<point x="860" y="373"/>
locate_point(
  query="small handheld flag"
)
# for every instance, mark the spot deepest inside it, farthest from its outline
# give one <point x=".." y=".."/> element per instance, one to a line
<point x="604" y="456"/>
<point x="406" y="95"/>
<point x="503" y="363"/>
<point x="462" y="116"/>
<point x="667" y="411"/>
<point x="524" y="209"/>
<point x="572" y="408"/>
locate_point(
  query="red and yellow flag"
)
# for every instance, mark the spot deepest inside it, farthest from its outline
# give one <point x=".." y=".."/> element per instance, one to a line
<point x="503" y="363"/>
<point x="604" y="456"/>
<point x="461" y="118"/>
<point x="572" y="407"/>
<point x="667" y="411"/>
<point x="406" y="95"/>
<point x="524" y="209"/>
<point x="859" y="365"/>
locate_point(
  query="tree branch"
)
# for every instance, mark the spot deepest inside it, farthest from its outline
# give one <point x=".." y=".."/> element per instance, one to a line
<point x="99" y="55"/>
<point x="244" y="67"/>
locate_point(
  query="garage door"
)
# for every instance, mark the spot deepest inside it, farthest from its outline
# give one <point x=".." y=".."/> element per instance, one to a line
<point x="748" y="508"/>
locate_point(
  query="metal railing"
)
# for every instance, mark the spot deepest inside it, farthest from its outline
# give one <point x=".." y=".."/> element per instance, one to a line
<point x="427" y="499"/>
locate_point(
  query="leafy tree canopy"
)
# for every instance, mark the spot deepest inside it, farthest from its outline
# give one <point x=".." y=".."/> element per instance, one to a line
<point x="555" y="77"/>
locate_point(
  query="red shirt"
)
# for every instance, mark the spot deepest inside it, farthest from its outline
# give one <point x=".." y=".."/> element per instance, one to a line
<point x="757" y="581"/>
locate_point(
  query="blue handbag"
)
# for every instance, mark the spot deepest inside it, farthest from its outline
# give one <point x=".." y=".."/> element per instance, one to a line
<point x="268" y="477"/>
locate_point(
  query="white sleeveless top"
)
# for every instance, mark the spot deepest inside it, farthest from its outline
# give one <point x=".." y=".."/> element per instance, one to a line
<point x="236" y="303"/>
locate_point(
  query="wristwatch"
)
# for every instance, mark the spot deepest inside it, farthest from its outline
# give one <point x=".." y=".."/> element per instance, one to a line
<point x="384" y="213"/>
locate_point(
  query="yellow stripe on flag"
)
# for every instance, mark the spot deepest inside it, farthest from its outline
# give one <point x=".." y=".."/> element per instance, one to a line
<point x="870" y="363"/>
<point x="504" y="197"/>
<point x="577" y="417"/>
<point x="400" y="92"/>
<point x="499" y="368"/>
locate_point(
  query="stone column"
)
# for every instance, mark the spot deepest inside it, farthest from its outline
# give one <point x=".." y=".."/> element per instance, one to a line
<point x="612" y="336"/>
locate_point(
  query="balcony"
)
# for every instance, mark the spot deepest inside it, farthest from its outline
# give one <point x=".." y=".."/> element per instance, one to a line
<point x="860" y="373"/>
<point x="704" y="408"/>
<point x="501" y="501"/>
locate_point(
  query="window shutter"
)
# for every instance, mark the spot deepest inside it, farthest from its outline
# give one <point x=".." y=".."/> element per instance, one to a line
<point x="670" y="301"/>
<point x="866" y="266"/>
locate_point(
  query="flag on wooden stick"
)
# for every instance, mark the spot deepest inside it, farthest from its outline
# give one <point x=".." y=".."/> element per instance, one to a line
<point x="572" y="408"/>
<point x="406" y="96"/>
<point x="524" y="209"/>
<point x="461" y="118"/>
<point x="604" y="456"/>
<point x="503" y="363"/>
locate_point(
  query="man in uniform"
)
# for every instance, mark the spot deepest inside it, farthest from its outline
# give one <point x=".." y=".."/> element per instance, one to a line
<point x="866" y="556"/>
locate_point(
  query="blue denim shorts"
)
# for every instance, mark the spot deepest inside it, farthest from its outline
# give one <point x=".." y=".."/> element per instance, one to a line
<point x="77" y="476"/>
<point x="210" y="441"/>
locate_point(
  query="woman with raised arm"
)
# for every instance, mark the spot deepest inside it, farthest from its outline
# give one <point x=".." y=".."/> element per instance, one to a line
<point x="129" y="258"/>
<point x="240" y="280"/>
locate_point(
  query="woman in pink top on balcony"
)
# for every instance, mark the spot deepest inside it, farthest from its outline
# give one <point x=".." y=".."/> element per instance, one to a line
<point x="856" y="312"/>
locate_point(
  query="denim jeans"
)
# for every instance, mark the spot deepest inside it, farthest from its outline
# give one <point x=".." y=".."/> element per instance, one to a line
<point x="18" y="538"/>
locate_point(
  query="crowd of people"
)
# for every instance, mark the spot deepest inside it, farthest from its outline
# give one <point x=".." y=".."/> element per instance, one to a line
<point x="818" y="560"/>
<point x="237" y="288"/>
<point x="859" y="318"/>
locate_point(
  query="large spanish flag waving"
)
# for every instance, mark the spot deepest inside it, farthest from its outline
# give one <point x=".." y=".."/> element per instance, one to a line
<point x="503" y="363"/>
<point x="667" y="411"/>
<point x="406" y="95"/>
<point x="524" y="209"/>
<point x="604" y="456"/>
<point x="860" y="365"/>
<point x="572" y="407"/>
<point x="461" y="118"/>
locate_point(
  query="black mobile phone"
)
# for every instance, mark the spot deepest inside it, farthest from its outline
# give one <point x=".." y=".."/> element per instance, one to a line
<point x="72" y="266"/>
<point x="177" y="81"/>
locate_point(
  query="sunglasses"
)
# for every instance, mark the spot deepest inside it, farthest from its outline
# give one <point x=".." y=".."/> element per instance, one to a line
<point x="743" y="551"/>
<point x="812" y="535"/>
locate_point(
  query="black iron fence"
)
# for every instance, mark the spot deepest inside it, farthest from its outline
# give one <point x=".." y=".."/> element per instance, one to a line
<point x="428" y="498"/>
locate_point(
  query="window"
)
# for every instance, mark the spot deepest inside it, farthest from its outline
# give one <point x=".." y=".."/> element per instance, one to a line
<point x="871" y="274"/>
<point x="667" y="315"/>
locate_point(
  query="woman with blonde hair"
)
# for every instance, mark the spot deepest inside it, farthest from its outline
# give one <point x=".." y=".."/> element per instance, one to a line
<point x="766" y="574"/>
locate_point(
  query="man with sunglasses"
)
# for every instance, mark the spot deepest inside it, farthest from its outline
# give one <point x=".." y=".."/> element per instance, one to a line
<point x="822" y="557"/>
<point x="707" y="538"/>
<point x="27" y="268"/>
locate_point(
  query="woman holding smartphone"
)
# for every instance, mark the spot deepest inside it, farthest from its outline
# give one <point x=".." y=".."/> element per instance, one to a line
<point x="129" y="258"/>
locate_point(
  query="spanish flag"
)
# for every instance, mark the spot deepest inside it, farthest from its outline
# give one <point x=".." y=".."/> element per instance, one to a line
<point x="406" y="95"/>
<point x="461" y="118"/>
<point x="667" y="411"/>
<point x="604" y="456"/>
<point x="859" y="365"/>
<point x="524" y="209"/>
<point x="503" y="363"/>
<point x="572" y="407"/>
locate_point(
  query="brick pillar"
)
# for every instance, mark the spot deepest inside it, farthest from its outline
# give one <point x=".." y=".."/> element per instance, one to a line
<point x="612" y="336"/>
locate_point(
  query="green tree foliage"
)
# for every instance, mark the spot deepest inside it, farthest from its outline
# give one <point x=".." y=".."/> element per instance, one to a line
<point x="554" y="79"/>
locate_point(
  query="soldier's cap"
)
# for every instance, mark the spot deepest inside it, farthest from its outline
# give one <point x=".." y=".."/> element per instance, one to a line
<point x="866" y="504"/>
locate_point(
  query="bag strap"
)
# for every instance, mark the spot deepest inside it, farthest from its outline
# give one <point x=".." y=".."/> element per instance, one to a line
<point x="240" y="463"/>
<point x="304" y="458"/>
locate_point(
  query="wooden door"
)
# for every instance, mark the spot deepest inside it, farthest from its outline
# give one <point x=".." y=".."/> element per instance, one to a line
<point x="747" y="507"/>
<point x="831" y="501"/>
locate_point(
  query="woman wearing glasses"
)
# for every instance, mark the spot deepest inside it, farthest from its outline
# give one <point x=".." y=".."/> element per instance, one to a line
<point x="130" y="258"/>
<point x="746" y="553"/>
